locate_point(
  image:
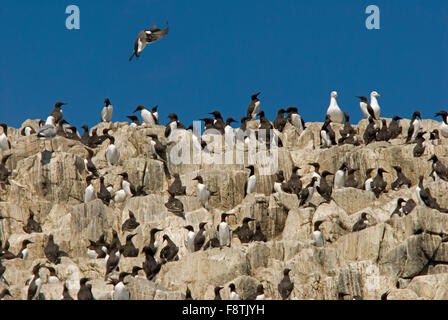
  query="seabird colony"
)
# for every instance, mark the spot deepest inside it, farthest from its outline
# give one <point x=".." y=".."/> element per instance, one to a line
<point x="208" y="236"/>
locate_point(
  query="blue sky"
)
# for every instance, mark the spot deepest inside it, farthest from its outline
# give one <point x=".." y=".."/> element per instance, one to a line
<point x="217" y="54"/>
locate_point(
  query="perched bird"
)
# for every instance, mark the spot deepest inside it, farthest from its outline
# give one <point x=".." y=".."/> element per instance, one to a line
<point x="414" y="127"/>
<point x="88" y="163"/>
<point x="199" y="239"/>
<point x="420" y="147"/>
<point x="399" y="208"/>
<point x="135" y="122"/>
<point x="362" y="223"/>
<point x="169" y="252"/>
<point x="244" y="232"/>
<point x="151" y="266"/>
<point x="260" y="293"/>
<point x="53" y="277"/>
<point x="217" y="293"/>
<point x="35" y="285"/>
<point x="251" y="182"/>
<point x="218" y="123"/>
<point x="135" y="271"/>
<point x="5" y="144"/>
<point x="52" y="251"/>
<point x="259" y="235"/>
<point x="323" y="187"/>
<point x="280" y="121"/>
<point x="6" y="254"/>
<point x="115" y="243"/>
<point x="339" y="177"/>
<point x="113" y="261"/>
<point x="60" y="130"/>
<point x="285" y="286"/>
<point x="425" y="198"/>
<point x="409" y="206"/>
<point x="350" y="180"/>
<point x="370" y="132"/>
<point x="112" y="153"/>
<point x="374" y="104"/>
<point x="348" y="129"/>
<point x="294" y="184"/>
<point x="120" y="292"/>
<point x="307" y="193"/>
<point x="57" y="111"/>
<point x="106" y="113"/>
<point x="364" y="105"/>
<point x="279" y="181"/>
<point x="434" y="135"/>
<point x="383" y="134"/>
<point x="327" y="135"/>
<point x="224" y="232"/>
<point x="131" y="223"/>
<point x="295" y="119"/>
<point x="202" y="192"/>
<point x="401" y="180"/>
<point x="27" y="131"/>
<point x="159" y="150"/>
<point x="318" y="239"/>
<point x="334" y="112"/>
<point x="32" y="225"/>
<point x="254" y="107"/>
<point x="127" y="186"/>
<point x="394" y="127"/>
<point x="4" y="293"/>
<point x="189" y="242"/>
<point x="369" y="179"/>
<point x="48" y="131"/>
<point x="89" y="192"/>
<point x="23" y="253"/>
<point x="176" y="187"/>
<point x="153" y="244"/>
<point x="147" y="115"/>
<point x="439" y="169"/>
<point x="65" y="293"/>
<point x="129" y="249"/>
<point x="2" y="271"/>
<point x="188" y="294"/>
<point x="378" y="183"/>
<point x="85" y="290"/>
<point x="233" y="295"/>
<point x="104" y="194"/>
<point x="444" y="125"/>
<point x="175" y="206"/>
<point x="174" y="123"/>
<point x="148" y="36"/>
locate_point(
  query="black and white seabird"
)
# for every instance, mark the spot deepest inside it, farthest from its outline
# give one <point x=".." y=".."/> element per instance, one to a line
<point x="172" y="125"/>
<point x="127" y="186"/>
<point x="113" y="261"/>
<point x="233" y="295"/>
<point x="439" y="169"/>
<point x="259" y="235"/>
<point x="52" y="251"/>
<point x="383" y="134"/>
<point x="52" y="277"/>
<point x="104" y="194"/>
<point x="420" y="147"/>
<point x="294" y="184"/>
<point x="339" y="177"/>
<point x="369" y="179"/>
<point x="218" y="123"/>
<point x="334" y="112"/>
<point x="370" y="132"/>
<point x="32" y="225"/>
<point x="444" y="125"/>
<point x="89" y="192"/>
<point x="295" y="119"/>
<point x="327" y="134"/>
<point x="224" y="232"/>
<point x="307" y="193"/>
<point x="434" y="135"/>
<point x="148" y="36"/>
<point x="217" y="293"/>
<point x="35" y="285"/>
<point x="362" y="223"/>
<point x="244" y="232"/>
<point x="364" y="105"/>
<point x="203" y="193"/>
<point x="318" y="239"/>
<point x="147" y="116"/>
<point x="200" y="237"/>
<point x="251" y="182"/>
<point x="135" y="271"/>
<point x="112" y="153"/>
<point x="409" y="206"/>
<point x="399" y="208"/>
<point x="120" y="292"/>
<point x="229" y="131"/>
<point x="129" y="249"/>
<point x="2" y="270"/>
<point x="188" y="294"/>
<point x="189" y="242"/>
<point x="159" y="150"/>
<point x="254" y="107"/>
<point x="153" y="244"/>
<point x="115" y="243"/>
<point x="323" y="188"/>
<point x="175" y="206"/>
<point x="169" y="252"/>
<point x="48" y="131"/>
<point x="279" y="182"/>
<point x="60" y="128"/>
<point x="348" y="129"/>
<point x="85" y="290"/>
<point x="106" y="112"/>
<point x="151" y="266"/>
<point x="414" y="127"/>
<point x="135" y="122"/>
<point x="65" y="293"/>
<point x="131" y="223"/>
<point x="401" y="180"/>
<point x="23" y="253"/>
<point x="280" y="121"/>
<point x="394" y="128"/>
<point x="88" y="163"/>
<point x="27" y="131"/>
<point x="176" y="187"/>
<point x="350" y="179"/>
<point x="425" y="198"/>
<point x="285" y="286"/>
<point x="6" y="254"/>
<point x="378" y="183"/>
<point x="5" y="292"/>
<point x="57" y="111"/>
<point x="5" y="144"/>
<point x="375" y="105"/>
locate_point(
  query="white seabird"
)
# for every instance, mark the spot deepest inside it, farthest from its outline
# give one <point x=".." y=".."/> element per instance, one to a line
<point x="334" y="112"/>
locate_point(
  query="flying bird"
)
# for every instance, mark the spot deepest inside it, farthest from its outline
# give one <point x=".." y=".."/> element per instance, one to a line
<point x="146" y="37"/>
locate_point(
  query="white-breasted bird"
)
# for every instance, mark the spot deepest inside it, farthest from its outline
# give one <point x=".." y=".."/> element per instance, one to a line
<point x="375" y="105"/>
<point x="202" y="192"/>
<point x="112" y="153"/>
<point x="106" y="113"/>
<point x="224" y="232"/>
<point x="5" y="145"/>
<point x="189" y="242"/>
<point x="334" y="112"/>
<point x="89" y="192"/>
<point x="147" y="116"/>
<point x="251" y="182"/>
<point x="339" y="177"/>
<point x="146" y="37"/>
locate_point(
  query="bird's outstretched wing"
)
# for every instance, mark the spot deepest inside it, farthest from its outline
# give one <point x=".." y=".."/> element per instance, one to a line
<point x="157" y="34"/>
